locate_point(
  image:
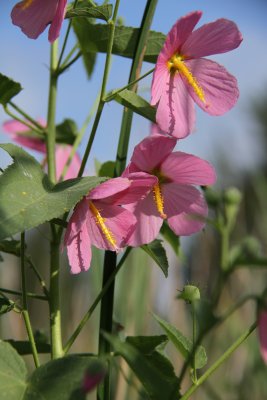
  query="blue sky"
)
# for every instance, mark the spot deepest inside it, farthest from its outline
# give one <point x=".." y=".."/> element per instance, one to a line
<point x="26" y="61"/>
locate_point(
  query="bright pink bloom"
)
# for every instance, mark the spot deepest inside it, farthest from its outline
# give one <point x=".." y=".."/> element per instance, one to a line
<point x="262" y="327"/>
<point x="173" y="197"/>
<point x="182" y="76"/>
<point x="16" y="129"/>
<point x="100" y="220"/>
<point x="33" y="16"/>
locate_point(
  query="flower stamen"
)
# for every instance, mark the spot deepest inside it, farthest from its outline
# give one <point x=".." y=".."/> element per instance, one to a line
<point x="159" y="200"/>
<point x="176" y="64"/>
<point x="101" y="222"/>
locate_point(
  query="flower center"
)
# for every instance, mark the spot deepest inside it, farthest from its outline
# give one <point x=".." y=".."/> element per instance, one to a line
<point x="25" y="4"/>
<point x="101" y="223"/>
<point x="158" y="197"/>
<point x="176" y="64"/>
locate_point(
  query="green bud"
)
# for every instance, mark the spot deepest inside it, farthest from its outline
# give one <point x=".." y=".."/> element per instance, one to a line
<point x="232" y="196"/>
<point x="189" y="293"/>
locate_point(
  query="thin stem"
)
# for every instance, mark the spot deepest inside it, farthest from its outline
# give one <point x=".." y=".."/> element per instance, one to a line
<point x="54" y="300"/>
<point x="24" y="303"/>
<point x="78" y="139"/>
<point x="103" y="89"/>
<point x="66" y="66"/>
<point x="68" y="57"/>
<point x="27" y="116"/>
<point x="39" y="277"/>
<point x="89" y="313"/>
<point x="224" y="248"/>
<point x="113" y="94"/>
<point x="65" y="39"/>
<point x="28" y="294"/>
<point x="51" y="114"/>
<point x="134" y="75"/>
<point x="194" y="320"/>
<point x="31" y="127"/>
<point x="219" y="362"/>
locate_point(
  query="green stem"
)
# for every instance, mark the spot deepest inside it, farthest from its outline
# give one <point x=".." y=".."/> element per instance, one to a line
<point x="39" y="277"/>
<point x="219" y="362"/>
<point x="54" y="300"/>
<point x="89" y="313"/>
<point x="51" y="114"/>
<point x="114" y="93"/>
<point x="27" y="116"/>
<point x="224" y="248"/>
<point x="194" y="320"/>
<point x="31" y="127"/>
<point x="28" y="294"/>
<point x="134" y="75"/>
<point x="66" y="66"/>
<point x="103" y="89"/>
<point x="25" y="313"/>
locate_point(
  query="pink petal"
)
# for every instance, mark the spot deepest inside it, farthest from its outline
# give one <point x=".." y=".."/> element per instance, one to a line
<point x="119" y="222"/>
<point x="79" y="251"/>
<point x="58" y="19"/>
<point x="216" y="37"/>
<point x="220" y="88"/>
<point x="109" y="188"/>
<point x="148" y="222"/>
<point x="160" y="80"/>
<point x="175" y="112"/>
<point x="262" y="324"/>
<point x="149" y="153"/>
<point x="33" y="18"/>
<point x="13" y="126"/>
<point x="78" y="218"/>
<point x="62" y="155"/>
<point x="141" y="184"/>
<point x="155" y="130"/>
<point x="178" y="198"/>
<point x="191" y="221"/>
<point x="188" y="169"/>
<point x="179" y="33"/>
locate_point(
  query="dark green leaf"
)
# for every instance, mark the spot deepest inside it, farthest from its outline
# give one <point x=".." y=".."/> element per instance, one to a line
<point x="157" y="378"/>
<point x="147" y="344"/>
<point x="171" y="237"/>
<point x="182" y="343"/>
<point x="10" y="247"/>
<point x="66" y="132"/>
<point x="8" y="89"/>
<point x="158" y="253"/>
<point x="137" y="104"/>
<point x="94" y="38"/>
<point x="12" y="373"/>
<point x="60" y="379"/>
<point x="5" y="305"/>
<point x="107" y="169"/>
<point x="84" y="9"/>
<point x="23" y="347"/>
<point x="28" y="198"/>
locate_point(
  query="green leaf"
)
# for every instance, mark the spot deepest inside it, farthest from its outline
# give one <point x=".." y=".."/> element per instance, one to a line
<point x="182" y="343"/>
<point x="147" y="344"/>
<point x="66" y="132"/>
<point x="107" y="169"/>
<point x="171" y="238"/>
<point x="5" y="305"/>
<point x="8" y="89"/>
<point x="23" y="347"/>
<point x="28" y="198"/>
<point x="61" y="379"/>
<point x="10" y="247"/>
<point x="151" y="371"/>
<point x="158" y="253"/>
<point x="85" y="9"/>
<point x="137" y="104"/>
<point x="12" y="373"/>
<point x="94" y="38"/>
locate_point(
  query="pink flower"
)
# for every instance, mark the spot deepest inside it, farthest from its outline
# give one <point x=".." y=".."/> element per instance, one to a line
<point x="93" y="377"/>
<point x="262" y="327"/>
<point x="173" y="197"/>
<point x="16" y="130"/>
<point x="100" y="220"/>
<point x="33" y="16"/>
<point x="182" y="76"/>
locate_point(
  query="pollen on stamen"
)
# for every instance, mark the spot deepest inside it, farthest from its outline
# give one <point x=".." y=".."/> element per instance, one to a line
<point x="176" y="64"/>
<point x="101" y="222"/>
<point x="159" y="200"/>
